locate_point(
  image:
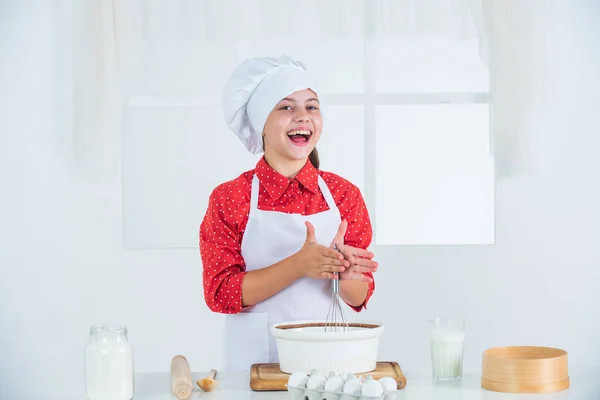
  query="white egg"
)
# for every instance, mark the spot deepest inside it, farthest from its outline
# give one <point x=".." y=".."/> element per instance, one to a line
<point x="298" y="379"/>
<point x="372" y="388"/>
<point x="333" y="374"/>
<point x="348" y="377"/>
<point x="334" y="384"/>
<point x="316" y="382"/>
<point x="315" y="372"/>
<point x="353" y="386"/>
<point x="388" y="383"/>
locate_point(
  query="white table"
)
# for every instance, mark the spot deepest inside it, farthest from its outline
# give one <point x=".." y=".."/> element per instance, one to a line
<point x="235" y="386"/>
<point x="585" y="386"/>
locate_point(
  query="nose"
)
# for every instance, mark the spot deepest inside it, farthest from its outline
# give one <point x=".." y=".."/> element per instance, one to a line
<point x="301" y="115"/>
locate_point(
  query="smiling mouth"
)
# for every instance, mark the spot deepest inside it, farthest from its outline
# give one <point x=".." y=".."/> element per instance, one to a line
<point x="299" y="137"/>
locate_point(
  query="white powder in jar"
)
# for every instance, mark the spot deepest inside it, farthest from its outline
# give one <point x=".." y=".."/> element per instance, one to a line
<point x="109" y="372"/>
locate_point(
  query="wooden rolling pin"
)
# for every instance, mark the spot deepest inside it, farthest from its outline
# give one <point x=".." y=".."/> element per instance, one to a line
<point x="181" y="378"/>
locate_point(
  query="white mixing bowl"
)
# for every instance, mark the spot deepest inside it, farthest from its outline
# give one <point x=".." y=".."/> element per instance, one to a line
<point x="304" y="346"/>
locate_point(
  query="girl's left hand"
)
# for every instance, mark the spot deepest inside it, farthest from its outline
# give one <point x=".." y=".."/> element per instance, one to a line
<point x="360" y="260"/>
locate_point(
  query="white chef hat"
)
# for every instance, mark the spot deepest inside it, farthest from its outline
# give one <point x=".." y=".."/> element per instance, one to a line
<point x="254" y="88"/>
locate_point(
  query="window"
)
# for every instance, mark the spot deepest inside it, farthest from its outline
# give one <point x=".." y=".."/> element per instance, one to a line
<point x="433" y="169"/>
<point x="406" y="120"/>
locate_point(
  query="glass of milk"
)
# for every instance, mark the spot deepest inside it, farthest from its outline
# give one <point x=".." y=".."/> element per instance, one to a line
<point x="109" y="371"/>
<point x="447" y="345"/>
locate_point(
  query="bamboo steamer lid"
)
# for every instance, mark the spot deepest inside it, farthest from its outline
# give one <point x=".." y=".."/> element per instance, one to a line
<point x="525" y="369"/>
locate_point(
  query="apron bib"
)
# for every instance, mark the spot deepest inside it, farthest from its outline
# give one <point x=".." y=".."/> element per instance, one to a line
<point x="271" y="236"/>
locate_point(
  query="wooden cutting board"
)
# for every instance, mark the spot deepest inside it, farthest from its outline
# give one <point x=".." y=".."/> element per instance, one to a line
<point x="268" y="377"/>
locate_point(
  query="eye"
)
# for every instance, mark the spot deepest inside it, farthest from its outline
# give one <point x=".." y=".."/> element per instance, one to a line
<point x="285" y="107"/>
<point x="312" y="107"/>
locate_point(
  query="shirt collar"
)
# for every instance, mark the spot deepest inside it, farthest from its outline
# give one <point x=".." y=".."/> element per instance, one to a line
<point x="276" y="184"/>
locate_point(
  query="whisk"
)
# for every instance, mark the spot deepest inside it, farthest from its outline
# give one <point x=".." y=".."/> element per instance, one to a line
<point x="335" y="321"/>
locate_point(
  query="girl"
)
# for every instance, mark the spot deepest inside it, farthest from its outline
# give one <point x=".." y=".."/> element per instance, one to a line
<point x="266" y="241"/>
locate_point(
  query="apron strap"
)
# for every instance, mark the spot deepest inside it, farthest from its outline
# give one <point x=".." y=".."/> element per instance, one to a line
<point x="254" y="194"/>
<point x="327" y="194"/>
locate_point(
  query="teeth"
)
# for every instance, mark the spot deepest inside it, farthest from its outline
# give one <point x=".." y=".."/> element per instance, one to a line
<point x="305" y="133"/>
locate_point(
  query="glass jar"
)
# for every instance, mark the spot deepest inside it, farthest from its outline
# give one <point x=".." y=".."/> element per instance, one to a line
<point x="108" y="364"/>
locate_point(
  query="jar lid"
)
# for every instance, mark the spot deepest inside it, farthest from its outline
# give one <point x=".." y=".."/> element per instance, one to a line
<point x="103" y="328"/>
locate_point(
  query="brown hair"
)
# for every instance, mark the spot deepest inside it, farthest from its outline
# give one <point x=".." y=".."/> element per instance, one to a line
<point x="314" y="158"/>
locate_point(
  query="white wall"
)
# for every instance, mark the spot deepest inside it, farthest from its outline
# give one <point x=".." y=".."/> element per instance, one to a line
<point x="62" y="267"/>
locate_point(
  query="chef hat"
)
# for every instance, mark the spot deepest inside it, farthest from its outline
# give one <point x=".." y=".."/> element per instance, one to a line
<point x="254" y="88"/>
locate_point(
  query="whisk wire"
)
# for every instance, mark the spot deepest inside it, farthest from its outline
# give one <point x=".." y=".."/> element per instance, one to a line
<point x="336" y="320"/>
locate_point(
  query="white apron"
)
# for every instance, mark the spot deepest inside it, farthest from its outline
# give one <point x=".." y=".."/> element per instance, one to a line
<point x="271" y="236"/>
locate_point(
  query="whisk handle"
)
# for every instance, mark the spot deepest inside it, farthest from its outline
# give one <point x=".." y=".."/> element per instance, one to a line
<point x="335" y="283"/>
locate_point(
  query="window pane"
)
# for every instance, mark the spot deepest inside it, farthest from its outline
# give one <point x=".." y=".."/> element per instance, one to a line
<point x="172" y="159"/>
<point x="435" y="182"/>
<point x="429" y="66"/>
<point x="189" y="47"/>
<point x="201" y="68"/>
<point x="342" y="144"/>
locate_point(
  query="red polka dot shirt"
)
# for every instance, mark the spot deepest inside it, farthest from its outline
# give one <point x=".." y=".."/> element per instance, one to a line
<point x="223" y="226"/>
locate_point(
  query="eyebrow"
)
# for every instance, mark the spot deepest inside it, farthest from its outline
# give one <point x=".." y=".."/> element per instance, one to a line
<point x="307" y="100"/>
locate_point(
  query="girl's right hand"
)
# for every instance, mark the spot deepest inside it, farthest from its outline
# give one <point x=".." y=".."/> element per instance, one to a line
<point x="318" y="261"/>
